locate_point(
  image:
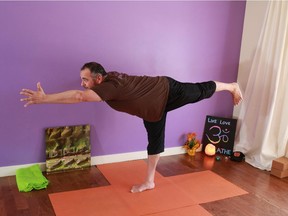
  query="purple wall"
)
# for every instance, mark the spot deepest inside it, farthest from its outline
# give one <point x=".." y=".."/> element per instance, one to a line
<point x="50" y="41"/>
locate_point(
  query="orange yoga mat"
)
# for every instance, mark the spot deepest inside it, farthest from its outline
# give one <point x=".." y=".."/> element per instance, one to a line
<point x="177" y="195"/>
<point x="206" y="186"/>
<point x="195" y="210"/>
<point x="164" y="197"/>
<point x="102" y="201"/>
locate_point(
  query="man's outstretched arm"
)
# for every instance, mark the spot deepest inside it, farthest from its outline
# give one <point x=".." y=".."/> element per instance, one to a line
<point x="66" y="97"/>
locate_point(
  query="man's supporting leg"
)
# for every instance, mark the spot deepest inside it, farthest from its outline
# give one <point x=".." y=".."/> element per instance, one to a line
<point x="156" y="137"/>
<point x="151" y="169"/>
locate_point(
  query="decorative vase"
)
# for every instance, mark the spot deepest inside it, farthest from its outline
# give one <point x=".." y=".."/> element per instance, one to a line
<point x="191" y="152"/>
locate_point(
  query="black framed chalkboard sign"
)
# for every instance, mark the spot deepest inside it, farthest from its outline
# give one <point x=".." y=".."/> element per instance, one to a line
<point x="221" y="133"/>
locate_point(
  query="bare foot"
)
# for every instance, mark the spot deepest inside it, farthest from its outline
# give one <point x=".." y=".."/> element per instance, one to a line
<point x="236" y="93"/>
<point x="143" y="187"/>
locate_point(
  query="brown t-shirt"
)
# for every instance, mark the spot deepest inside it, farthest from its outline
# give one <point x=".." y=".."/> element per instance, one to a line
<point x="143" y="96"/>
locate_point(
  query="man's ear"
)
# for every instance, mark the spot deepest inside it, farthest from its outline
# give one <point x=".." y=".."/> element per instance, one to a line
<point x="98" y="78"/>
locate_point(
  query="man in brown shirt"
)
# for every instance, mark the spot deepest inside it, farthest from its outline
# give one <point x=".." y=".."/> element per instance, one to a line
<point x="142" y="96"/>
<point x="149" y="98"/>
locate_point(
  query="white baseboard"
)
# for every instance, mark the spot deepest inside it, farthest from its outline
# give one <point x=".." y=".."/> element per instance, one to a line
<point x="96" y="160"/>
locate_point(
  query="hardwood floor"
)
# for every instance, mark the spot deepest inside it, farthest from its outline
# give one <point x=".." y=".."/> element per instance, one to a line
<point x="268" y="195"/>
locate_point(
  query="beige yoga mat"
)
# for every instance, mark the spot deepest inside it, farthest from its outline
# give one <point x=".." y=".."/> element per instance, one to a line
<point x="177" y="195"/>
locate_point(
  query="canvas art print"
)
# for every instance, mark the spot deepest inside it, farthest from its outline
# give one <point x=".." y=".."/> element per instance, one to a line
<point x="67" y="148"/>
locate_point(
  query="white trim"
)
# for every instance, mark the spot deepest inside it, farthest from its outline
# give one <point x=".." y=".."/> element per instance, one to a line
<point x="11" y="170"/>
<point x="114" y="158"/>
<point x="96" y="160"/>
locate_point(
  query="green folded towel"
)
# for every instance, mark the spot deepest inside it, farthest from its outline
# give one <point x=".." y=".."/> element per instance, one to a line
<point x="30" y="178"/>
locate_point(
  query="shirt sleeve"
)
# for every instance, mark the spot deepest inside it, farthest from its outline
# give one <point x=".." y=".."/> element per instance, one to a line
<point x="106" y="91"/>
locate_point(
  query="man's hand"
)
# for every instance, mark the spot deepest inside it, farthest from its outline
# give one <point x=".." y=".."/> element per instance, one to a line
<point x="33" y="97"/>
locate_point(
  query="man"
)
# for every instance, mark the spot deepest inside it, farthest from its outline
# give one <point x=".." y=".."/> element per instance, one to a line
<point x="149" y="98"/>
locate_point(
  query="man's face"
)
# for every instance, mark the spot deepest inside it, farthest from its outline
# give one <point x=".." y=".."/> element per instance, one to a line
<point x="87" y="79"/>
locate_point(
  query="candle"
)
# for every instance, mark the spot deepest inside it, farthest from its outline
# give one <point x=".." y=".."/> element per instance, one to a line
<point x="210" y="149"/>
